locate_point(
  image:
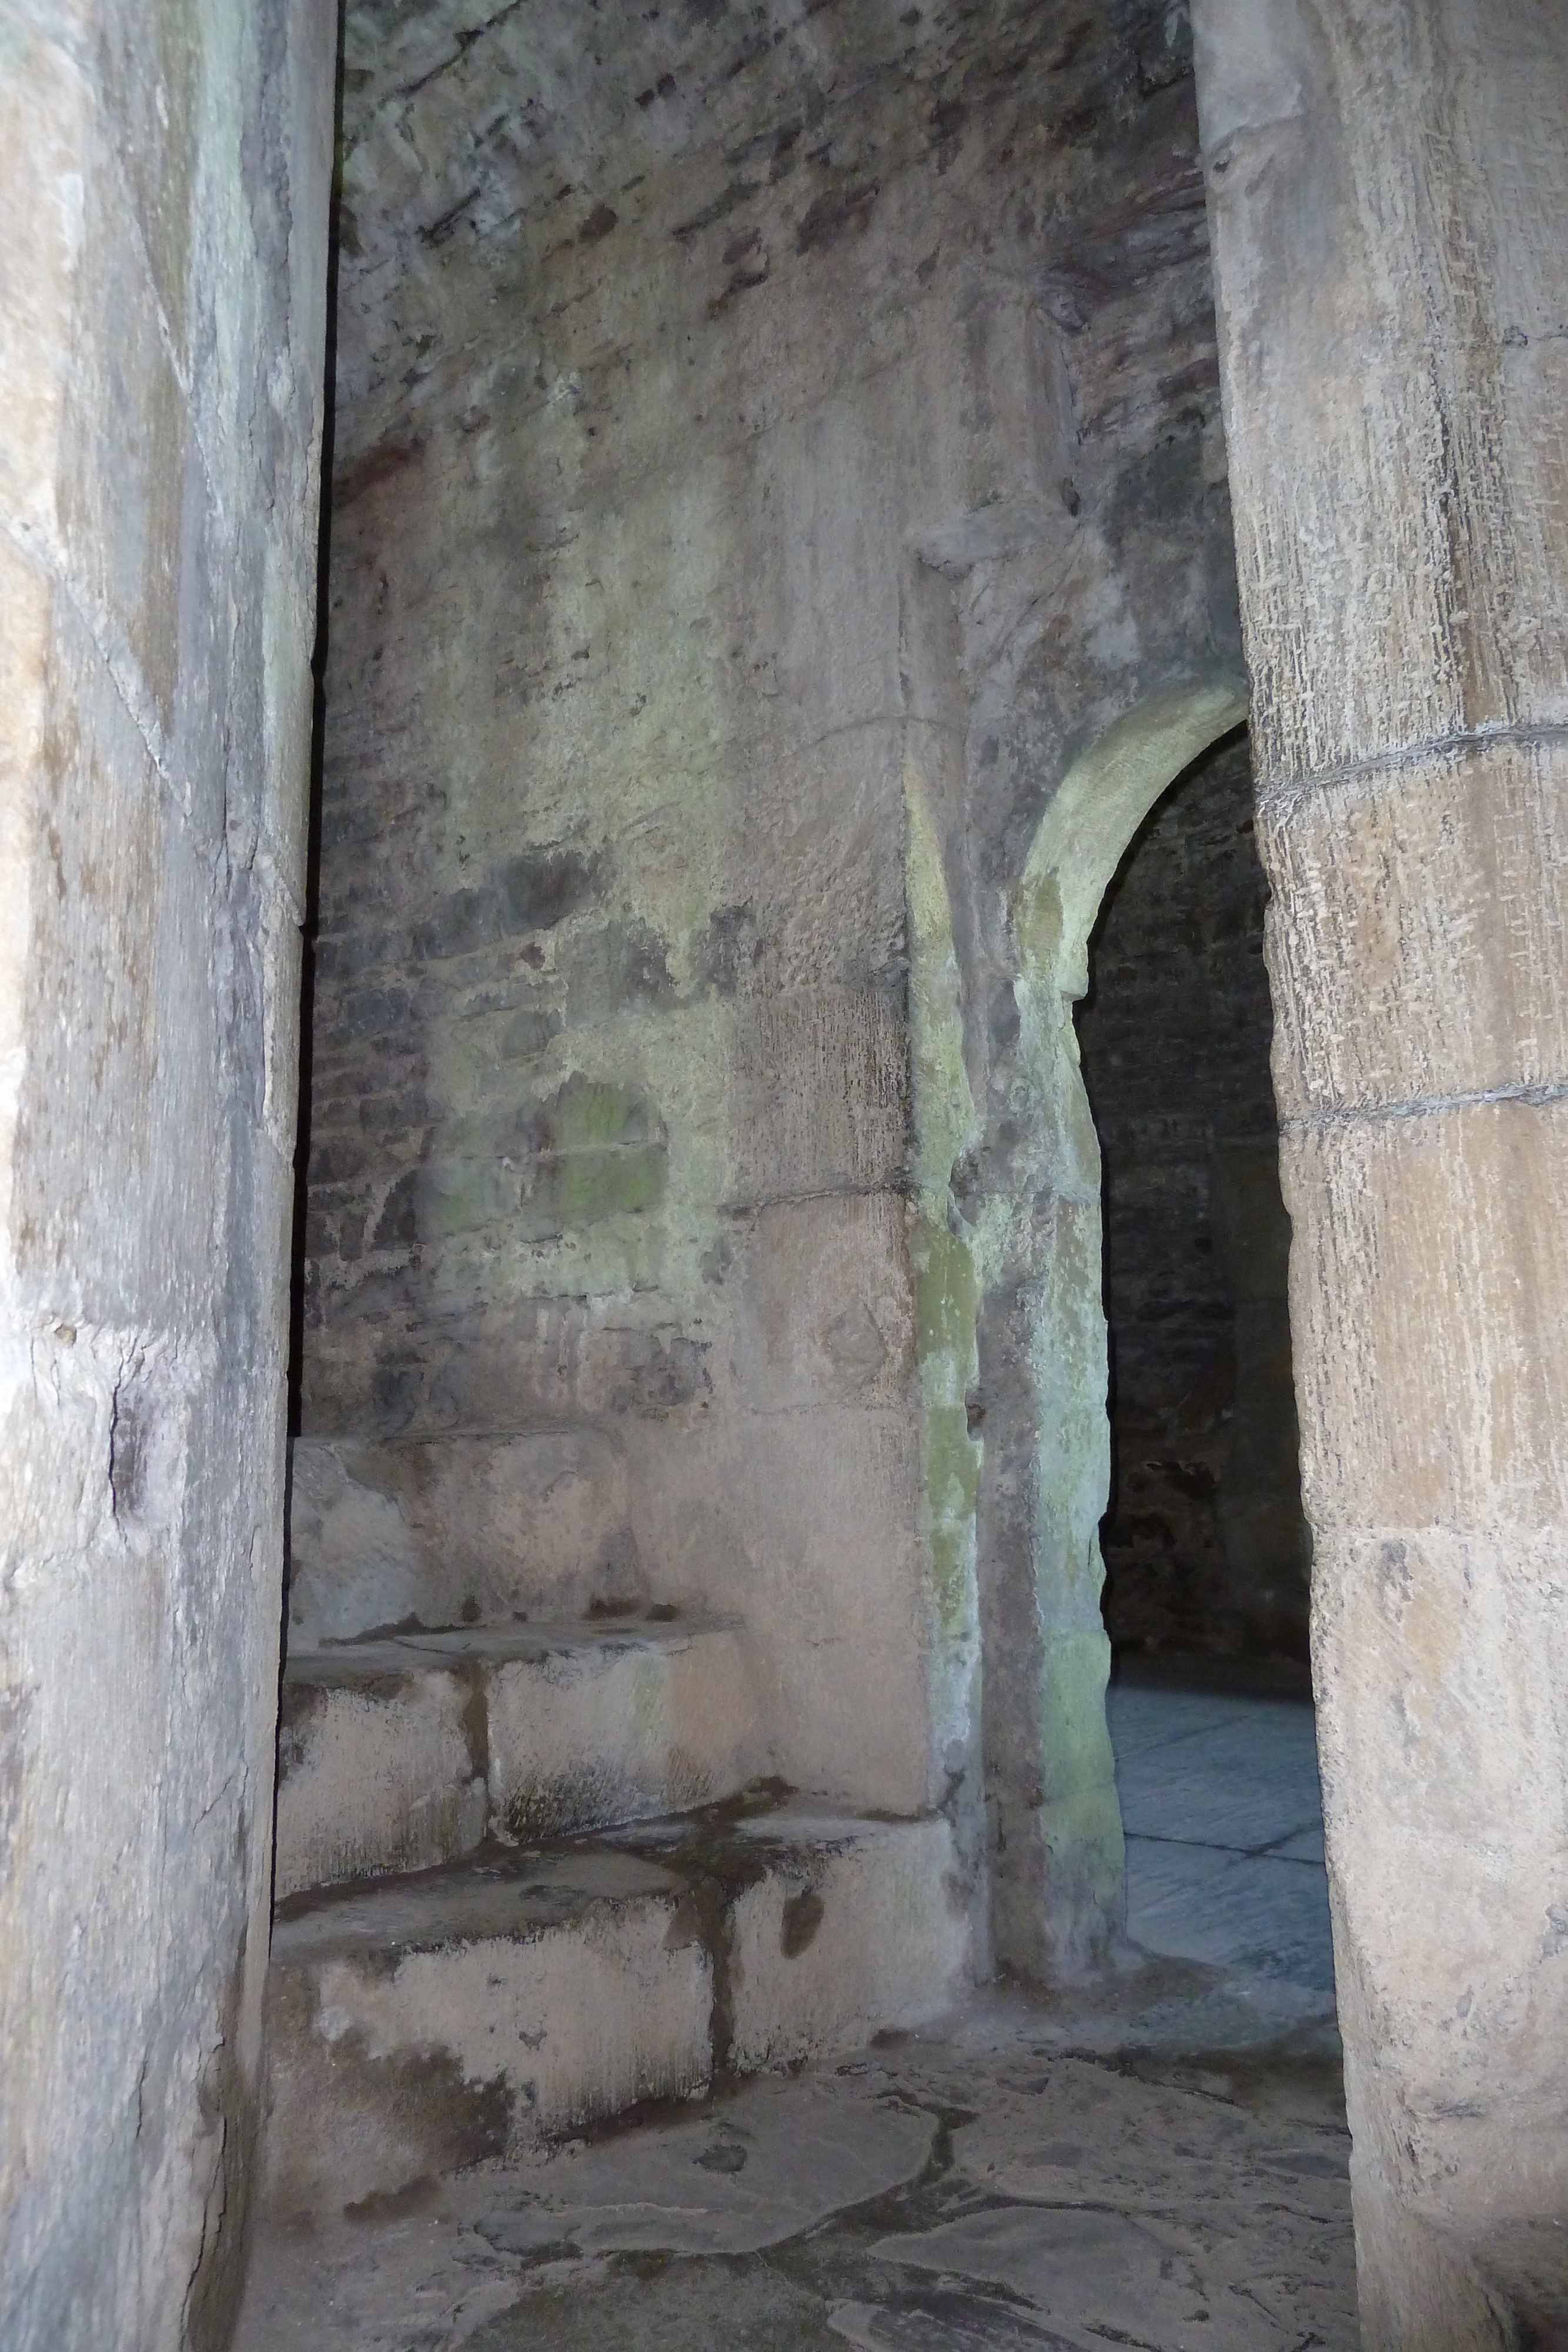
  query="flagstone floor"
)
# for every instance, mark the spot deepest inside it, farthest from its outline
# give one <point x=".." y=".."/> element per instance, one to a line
<point x="1157" y="2161"/>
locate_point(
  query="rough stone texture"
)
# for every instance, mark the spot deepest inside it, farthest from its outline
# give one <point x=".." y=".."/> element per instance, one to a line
<point x="379" y="1765"/>
<point x="640" y="1724"/>
<point x="454" y="2015"/>
<point x="1205" y="1546"/>
<point x="1011" y="2181"/>
<point x="768" y="453"/>
<point x="439" y="2020"/>
<point x="857" y="1928"/>
<point x="1387" y="188"/>
<point x="395" y="1755"/>
<point x="163" y="195"/>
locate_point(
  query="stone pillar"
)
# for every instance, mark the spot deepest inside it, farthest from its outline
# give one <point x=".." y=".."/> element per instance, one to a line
<point x="1388" y="191"/>
<point x="164" y="177"/>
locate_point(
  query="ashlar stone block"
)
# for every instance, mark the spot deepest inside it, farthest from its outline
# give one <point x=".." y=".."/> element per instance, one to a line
<point x="1418" y="935"/>
<point x="1428" y="1294"/>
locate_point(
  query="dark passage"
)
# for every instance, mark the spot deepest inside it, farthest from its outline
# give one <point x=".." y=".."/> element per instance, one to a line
<point x="1206" y="1550"/>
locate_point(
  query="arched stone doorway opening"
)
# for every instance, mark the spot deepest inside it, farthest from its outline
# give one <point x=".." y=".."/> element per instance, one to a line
<point x="1054" y="1824"/>
<point x="1205" y="1542"/>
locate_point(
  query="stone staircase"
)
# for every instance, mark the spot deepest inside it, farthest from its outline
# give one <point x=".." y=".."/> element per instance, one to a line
<point x="527" y="1878"/>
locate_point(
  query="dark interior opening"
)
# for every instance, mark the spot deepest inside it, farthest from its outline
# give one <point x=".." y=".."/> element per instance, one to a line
<point x="1205" y="1548"/>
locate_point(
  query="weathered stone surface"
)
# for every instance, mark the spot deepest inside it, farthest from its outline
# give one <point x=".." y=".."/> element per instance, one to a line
<point x="394" y="1755"/>
<point x="456" y="1530"/>
<point x="377" y="1769"/>
<point x="164" y="180"/>
<point x="1425" y="267"/>
<point x="478" y="2010"/>
<point x="705" y="645"/>
<point x="1055" y="1839"/>
<point x="438" y="2020"/>
<point x="638" y="1723"/>
<point x="1421" y="956"/>
<point x="998" y="2180"/>
<point x="1387" y="189"/>
<point x="858" y="1926"/>
<point x="780" y="478"/>
<point x="1441" y="1404"/>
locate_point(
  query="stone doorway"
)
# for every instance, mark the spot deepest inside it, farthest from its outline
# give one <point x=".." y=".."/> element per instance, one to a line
<point x="1168" y="1802"/>
<point x="1057" y="1853"/>
<point x="1205" y="1548"/>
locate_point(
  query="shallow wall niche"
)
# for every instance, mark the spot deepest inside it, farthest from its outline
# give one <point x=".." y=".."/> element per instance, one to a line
<point x="1055" y="1830"/>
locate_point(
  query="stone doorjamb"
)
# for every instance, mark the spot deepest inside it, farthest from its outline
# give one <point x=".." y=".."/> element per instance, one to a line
<point x="1055" y="1845"/>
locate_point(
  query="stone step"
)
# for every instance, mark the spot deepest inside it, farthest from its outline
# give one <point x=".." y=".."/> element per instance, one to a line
<point x="473" y="2011"/>
<point x="402" y="1752"/>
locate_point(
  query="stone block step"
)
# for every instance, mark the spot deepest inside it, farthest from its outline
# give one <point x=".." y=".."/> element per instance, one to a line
<point x="473" y="2011"/>
<point x="402" y="1752"/>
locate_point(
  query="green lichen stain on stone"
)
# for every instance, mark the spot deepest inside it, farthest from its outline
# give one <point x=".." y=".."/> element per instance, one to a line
<point x="601" y="1153"/>
<point x="1080" y="1814"/>
<point x="593" y="1185"/>
<point x="1047" y="1234"/>
<point x="943" y="1105"/>
<point x="947" y="1283"/>
<point x="617" y="752"/>
<point x="1075" y="1745"/>
<point x="946" y="1300"/>
<point x="587" y="1115"/>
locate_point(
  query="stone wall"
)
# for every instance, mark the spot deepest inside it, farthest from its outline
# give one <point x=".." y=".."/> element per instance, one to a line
<point x="1205" y="1548"/>
<point x="1389" y="186"/>
<point x="763" y="462"/>
<point x="163" y="206"/>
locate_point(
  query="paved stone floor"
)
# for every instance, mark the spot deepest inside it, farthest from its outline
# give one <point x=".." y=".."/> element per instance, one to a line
<point x="1225" y="1832"/>
<point x="1158" y="2162"/>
